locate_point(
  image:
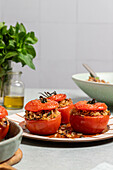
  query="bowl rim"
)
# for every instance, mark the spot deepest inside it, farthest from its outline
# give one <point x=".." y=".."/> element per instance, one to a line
<point x="13" y="138"/>
<point x="96" y="83"/>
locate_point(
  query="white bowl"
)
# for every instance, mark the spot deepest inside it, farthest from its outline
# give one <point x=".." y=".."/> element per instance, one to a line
<point x="100" y="91"/>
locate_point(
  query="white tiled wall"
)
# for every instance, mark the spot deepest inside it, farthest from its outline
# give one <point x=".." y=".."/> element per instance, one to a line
<point x="70" y="32"/>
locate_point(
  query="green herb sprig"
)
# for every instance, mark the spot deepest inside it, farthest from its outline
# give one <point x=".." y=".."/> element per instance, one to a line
<point x="16" y="44"/>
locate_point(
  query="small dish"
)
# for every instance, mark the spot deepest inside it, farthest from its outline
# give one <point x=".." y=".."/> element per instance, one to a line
<point x="12" y="141"/>
<point x="102" y="92"/>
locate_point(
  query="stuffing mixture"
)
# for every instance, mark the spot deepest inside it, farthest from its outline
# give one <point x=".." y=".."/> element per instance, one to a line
<point x="41" y="115"/>
<point x="65" y="102"/>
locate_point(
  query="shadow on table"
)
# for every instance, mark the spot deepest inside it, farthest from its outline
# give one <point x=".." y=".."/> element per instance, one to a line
<point x="39" y="143"/>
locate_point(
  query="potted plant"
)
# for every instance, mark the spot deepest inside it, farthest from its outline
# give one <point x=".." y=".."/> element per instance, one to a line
<point x="16" y="44"/>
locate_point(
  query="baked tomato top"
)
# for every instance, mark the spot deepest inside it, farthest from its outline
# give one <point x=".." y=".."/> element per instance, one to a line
<point x="3" y="112"/>
<point x="57" y="97"/>
<point x="84" y="105"/>
<point x="36" y="105"/>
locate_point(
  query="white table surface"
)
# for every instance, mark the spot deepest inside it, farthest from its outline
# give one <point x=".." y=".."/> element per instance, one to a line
<point x="41" y="155"/>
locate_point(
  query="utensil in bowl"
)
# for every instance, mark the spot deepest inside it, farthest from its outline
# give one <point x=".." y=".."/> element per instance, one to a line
<point x="92" y="73"/>
<point x="100" y="91"/>
<point x="13" y="139"/>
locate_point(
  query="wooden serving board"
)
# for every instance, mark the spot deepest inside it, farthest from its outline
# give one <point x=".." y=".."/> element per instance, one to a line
<point x="7" y="165"/>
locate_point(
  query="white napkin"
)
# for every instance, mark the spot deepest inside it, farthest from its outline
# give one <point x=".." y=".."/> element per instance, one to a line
<point x="103" y="166"/>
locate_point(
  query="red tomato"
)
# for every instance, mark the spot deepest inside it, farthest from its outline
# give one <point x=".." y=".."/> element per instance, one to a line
<point x="89" y="124"/>
<point x="3" y="131"/>
<point x="65" y="113"/>
<point x="82" y="105"/>
<point x="37" y="105"/>
<point x="3" y="112"/>
<point x="43" y="127"/>
<point x="58" y="97"/>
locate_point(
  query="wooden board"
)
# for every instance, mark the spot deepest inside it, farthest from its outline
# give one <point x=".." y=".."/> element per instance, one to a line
<point x="7" y="165"/>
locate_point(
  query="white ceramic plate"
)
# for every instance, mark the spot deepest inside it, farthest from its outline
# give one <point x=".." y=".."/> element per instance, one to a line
<point x="107" y="135"/>
<point x="102" y="92"/>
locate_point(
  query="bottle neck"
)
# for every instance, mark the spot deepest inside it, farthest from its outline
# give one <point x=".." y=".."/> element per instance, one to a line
<point x="14" y="76"/>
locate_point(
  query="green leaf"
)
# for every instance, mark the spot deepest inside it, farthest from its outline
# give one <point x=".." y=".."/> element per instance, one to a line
<point x="4" y="30"/>
<point x="11" y="30"/>
<point x="30" y="38"/>
<point x="11" y="44"/>
<point x="21" y="37"/>
<point x="2" y="24"/>
<point x="11" y="54"/>
<point x="2" y="59"/>
<point x="27" y="59"/>
<point x="30" y="49"/>
<point x="22" y="28"/>
<point x="2" y="44"/>
<point x="1" y="36"/>
<point x="17" y="28"/>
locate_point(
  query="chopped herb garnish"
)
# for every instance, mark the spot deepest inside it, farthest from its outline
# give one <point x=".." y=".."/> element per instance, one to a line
<point x="91" y="102"/>
<point x="49" y="113"/>
<point x="42" y="99"/>
<point x="48" y="94"/>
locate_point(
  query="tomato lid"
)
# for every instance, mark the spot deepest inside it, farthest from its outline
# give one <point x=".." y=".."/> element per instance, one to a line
<point x="57" y="97"/>
<point x="3" y="112"/>
<point x="36" y="105"/>
<point x="84" y="105"/>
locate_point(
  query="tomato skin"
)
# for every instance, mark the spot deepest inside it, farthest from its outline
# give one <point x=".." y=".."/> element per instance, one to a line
<point x="3" y="131"/>
<point x="57" y="97"/>
<point x="65" y="113"/>
<point x="82" y="105"/>
<point x="37" y="105"/>
<point x="3" y="112"/>
<point x="89" y="124"/>
<point x="44" y="127"/>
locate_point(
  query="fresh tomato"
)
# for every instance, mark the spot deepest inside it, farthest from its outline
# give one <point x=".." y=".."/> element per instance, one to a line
<point x="58" y="97"/>
<point x="44" y="127"/>
<point x="3" y="112"/>
<point x="65" y="113"/>
<point x="83" y="105"/>
<point x="37" y="105"/>
<point x="89" y="124"/>
<point x="3" y="131"/>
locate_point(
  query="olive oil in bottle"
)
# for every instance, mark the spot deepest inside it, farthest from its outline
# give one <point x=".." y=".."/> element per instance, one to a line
<point x="14" y="91"/>
<point x="13" y="102"/>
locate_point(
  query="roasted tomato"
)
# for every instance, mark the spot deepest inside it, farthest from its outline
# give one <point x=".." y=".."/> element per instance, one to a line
<point x="84" y="105"/>
<point x="3" y="112"/>
<point x="37" y="105"/>
<point x="42" y="116"/>
<point x="44" y="127"/>
<point x="4" y="123"/>
<point x="58" y="97"/>
<point x="65" y="113"/>
<point x="65" y="105"/>
<point x="89" y="118"/>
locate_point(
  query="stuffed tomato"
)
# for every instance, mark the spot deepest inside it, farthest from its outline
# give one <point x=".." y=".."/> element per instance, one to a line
<point x="42" y="116"/>
<point x="4" y="123"/>
<point x="89" y="117"/>
<point x="65" y="106"/>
